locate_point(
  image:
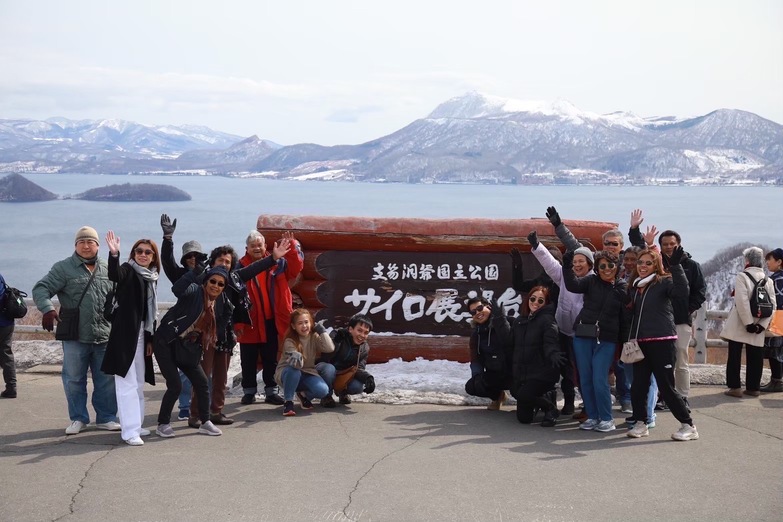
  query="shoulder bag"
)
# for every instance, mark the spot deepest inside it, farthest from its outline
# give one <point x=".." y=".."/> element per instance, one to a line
<point x="343" y="377"/>
<point x="591" y="330"/>
<point x="68" y="326"/>
<point x="632" y="352"/>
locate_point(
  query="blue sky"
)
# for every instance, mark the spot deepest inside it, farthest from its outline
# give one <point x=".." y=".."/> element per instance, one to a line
<point x="352" y="71"/>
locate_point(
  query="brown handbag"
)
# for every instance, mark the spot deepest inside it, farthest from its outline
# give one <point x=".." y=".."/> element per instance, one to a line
<point x="343" y="377"/>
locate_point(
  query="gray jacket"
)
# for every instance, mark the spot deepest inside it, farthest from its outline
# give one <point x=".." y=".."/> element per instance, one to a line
<point x="66" y="280"/>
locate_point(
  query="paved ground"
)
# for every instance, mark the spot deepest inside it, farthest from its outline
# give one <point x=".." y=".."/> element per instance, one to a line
<point x="369" y="462"/>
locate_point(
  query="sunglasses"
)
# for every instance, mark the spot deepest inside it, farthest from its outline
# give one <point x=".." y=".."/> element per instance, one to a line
<point x="478" y="309"/>
<point x="606" y="266"/>
<point x="191" y="255"/>
<point x="539" y="299"/>
<point x="221" y="284"/>
<point x="642" y="262"/>
<point x="611" y="243"/>
<point x="146" y="252"/>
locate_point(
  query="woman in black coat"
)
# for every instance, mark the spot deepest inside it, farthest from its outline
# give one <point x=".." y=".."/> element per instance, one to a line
<point x="129" y="350"/>
<point x="536" y="358"/>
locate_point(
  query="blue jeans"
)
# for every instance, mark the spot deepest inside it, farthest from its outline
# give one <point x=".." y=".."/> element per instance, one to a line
<point x="295" y="380"/>
<point x="652" y="393"/>
<point x="327" y="371"/>
<point x="593" y="360"/>
<point x="78" y="357"/>
<point x="184" y="395"/>
<point x="623" y="377"/>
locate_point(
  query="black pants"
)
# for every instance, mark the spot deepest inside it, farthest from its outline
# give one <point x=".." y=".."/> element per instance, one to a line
<point x="7" y="357"/>
<point x="248" y="358"/>
<point x="754" y="365"/>
<point x="776" y="367"/>
<point x="486" y="384"/>
<point x="164" y="354"/>
<point x="659" y="360"/>
<point x="532" y="395"/>
<point x="567" y="371"/>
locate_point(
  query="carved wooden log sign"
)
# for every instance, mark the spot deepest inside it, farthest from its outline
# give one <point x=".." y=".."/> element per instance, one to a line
<point x="413" y="277"/>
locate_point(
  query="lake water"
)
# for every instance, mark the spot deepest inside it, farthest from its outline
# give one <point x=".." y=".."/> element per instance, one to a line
<point x="224" y="210"/>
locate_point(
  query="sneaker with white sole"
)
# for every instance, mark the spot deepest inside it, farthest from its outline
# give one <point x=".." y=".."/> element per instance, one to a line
<point x="686" y="432"/>
<point x="165" y="431"/>
<point x="134" y="441"/>
<point x="625" y="407"/>
<point x="638" y="431"/>
<point x="209" y="429"/>
<point x="184" y="414"/>
<point x="605" y="426"/>
<point x="144" y="432"/>
<point x="74" y="428"/>
<point x="108" y="426"/>
<point x="589" y="424"/>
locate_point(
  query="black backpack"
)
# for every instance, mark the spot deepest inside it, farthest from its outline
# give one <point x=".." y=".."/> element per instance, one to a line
<point x="13" y="305"/>
<point x="761" y="304"/>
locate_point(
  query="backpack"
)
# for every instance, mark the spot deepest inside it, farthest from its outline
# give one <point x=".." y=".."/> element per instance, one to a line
<point x="761" y="304"/>
<point x="13" y="305"/>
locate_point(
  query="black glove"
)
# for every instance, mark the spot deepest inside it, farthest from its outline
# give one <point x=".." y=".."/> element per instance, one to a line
<point x="568" y="260"/>
<point x="516" y="259"/>
<point x="167" y="225"/>
<point x="201" y="265"/>
<point x="319" y="327"/>
<point x="557" y="359"/>
<point x="553" y="216"/>
<point x="754" y="328"/>
<point x="676" y="257"/>
<point x="497" y="309"/>
<point x="48" y="319"/>
<point x="533" y="239"/>
<point x="369" y="384"/>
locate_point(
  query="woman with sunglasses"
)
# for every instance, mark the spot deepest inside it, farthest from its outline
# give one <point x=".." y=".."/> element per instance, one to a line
<point x="490" y="359"/>
<point x="536" y="358"/>
<point x="192" y="318"/>
<point x="652" y="326"/>
<point x="129" y="349"/>
<point x="600" y="325"/>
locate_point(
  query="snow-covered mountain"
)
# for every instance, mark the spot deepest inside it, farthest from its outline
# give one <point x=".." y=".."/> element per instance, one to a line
<point x="471" y="138"/>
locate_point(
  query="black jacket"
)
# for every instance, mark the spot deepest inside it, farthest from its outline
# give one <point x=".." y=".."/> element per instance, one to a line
<point x="697" y="293"/>
<point x="655" y="318"/>
<point x="535" y="340"/>
<point x="604" y="303"/>
<point x="131" y="300"/>
<point x="170" y="267"/>
<point x="490" y="346"/>
<point x="346" y="354"/>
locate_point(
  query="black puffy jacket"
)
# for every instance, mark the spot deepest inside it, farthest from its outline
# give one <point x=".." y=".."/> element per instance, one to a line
<point x="535" y="339"/>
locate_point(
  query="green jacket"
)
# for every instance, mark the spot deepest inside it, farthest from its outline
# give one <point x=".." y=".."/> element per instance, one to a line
<point x="66" y="280"/>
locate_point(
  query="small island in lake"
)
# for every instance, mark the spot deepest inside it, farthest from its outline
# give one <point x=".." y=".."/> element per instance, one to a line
<point x="134" y="192"/>
<point x="16" y="188"/>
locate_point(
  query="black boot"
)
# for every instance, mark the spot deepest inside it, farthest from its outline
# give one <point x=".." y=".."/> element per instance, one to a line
<point x="550" y="418"/>
<point x="568" y="406"/>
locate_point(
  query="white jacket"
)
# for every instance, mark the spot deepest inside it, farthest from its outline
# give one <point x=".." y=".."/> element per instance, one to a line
<point x="569" y="304"/>
<point x="740" y="316"/>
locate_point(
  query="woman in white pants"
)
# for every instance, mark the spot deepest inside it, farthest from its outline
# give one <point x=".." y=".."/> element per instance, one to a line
<point x="129" y="350"/>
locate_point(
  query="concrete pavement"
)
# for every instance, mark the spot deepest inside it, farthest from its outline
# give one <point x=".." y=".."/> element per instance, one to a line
<point x="371" y="462"/>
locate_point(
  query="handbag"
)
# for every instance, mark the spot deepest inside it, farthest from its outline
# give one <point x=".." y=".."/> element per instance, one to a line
<point x="188" y="350"/>
<point x="632" y="352"/>
<point x="775" y="327"/>
<point x="68" y="326"/>
<point x="587" y="330"/>
<point x="110" y="305"/>
<point x="13" y="305"/>
<point x="343" y="377"/>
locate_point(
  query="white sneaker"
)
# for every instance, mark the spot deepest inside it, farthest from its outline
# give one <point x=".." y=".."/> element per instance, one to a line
<point x="135" y="441"/>
<point x="109" y="426"/>
<point x="605" y="426"/>
<point x="165" y="431"/>
<point x="638" y="431"/>
<point x="74" y="428"/>
<point x="589" y="424"/>
<point x="144" y="432"/>
<point x="686" y="432"/>
<point x="209" y="429"/>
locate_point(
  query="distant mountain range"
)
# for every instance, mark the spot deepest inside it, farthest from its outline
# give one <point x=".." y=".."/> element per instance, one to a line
<point x="474" y="138"/>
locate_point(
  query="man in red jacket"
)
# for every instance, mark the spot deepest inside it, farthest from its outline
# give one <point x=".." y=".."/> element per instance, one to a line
<point x="270" y="313"/>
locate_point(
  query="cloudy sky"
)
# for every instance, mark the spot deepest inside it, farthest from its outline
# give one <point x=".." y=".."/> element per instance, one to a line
<point x="352" y="71"/>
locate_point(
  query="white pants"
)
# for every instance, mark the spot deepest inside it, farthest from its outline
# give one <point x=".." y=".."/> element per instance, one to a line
<point x="130" y="393"/>
<point x="682" y="374"/>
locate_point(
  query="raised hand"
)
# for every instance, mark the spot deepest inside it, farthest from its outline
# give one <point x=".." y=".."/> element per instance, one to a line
<point x="319" y="327"/>
<point x="113" y="242"/>
<point x="649" y="236"/>
<point x="282" y="247"/>
<point x="167" y="226"/>
<point x="568" y="259"/>
<point x="553" y="216"/>
<point x="676" y="257"/>
<point x="636" y="218"/>
<point x="533" y="239"/>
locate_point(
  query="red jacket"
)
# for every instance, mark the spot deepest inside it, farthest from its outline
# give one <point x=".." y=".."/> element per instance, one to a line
<point x="274" y="291"/>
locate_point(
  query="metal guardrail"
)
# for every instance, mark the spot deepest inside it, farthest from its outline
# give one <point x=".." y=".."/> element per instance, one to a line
<point x="699" y="340"/>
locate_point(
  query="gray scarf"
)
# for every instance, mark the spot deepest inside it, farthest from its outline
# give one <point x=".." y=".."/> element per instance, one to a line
<point x="150" y="278"/>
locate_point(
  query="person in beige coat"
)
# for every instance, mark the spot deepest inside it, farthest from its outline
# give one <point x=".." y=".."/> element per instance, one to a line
<point x="742" y="328"/>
